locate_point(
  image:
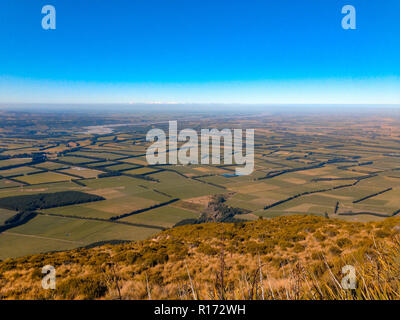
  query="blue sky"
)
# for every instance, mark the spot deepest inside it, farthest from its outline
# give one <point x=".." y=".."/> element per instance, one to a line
<point x="253" y="51"/>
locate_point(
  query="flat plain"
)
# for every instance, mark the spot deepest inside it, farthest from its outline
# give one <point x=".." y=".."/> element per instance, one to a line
<point x="333" y="166"/>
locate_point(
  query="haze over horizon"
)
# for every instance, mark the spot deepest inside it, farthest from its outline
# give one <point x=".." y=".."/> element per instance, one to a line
<point x="388" y="110"/>
<point x="203" y="52"/>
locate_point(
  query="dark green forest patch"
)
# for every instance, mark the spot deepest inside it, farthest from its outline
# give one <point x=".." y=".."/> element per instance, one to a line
<point x="47" y="200"/>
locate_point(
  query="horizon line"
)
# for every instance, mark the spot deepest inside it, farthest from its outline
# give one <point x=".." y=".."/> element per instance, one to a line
<point x="2" y="104"/>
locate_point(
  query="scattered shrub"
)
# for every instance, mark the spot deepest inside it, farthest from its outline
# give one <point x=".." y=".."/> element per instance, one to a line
<point x="343" y="242"/>
<point x="88" y="288"/>
<point x="335" y="250"/>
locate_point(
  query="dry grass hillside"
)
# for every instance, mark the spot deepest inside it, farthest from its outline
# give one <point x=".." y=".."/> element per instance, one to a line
<point x="291" y="257"/>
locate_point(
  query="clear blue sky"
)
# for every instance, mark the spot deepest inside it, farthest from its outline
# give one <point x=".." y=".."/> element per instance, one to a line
<point x="248" y="51"/>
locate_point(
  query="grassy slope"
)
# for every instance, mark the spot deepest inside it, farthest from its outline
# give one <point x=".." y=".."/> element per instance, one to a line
<point x="298" y="256"/>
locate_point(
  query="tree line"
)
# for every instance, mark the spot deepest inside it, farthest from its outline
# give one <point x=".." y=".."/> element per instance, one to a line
<point x="47" y="200"/>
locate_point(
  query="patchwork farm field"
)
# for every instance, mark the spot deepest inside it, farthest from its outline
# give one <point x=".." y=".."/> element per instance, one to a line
<point x="45" y="177"/>
<point x="334" y="168"/>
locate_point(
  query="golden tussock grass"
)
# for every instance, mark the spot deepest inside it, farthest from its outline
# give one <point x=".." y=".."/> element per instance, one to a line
<point x="294" y="257"/>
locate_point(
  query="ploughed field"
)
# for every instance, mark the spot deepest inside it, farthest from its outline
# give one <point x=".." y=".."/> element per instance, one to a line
<point x="338" y="168"/>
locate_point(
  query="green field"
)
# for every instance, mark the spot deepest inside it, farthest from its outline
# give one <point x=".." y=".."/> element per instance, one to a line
<point x="81" y="172"/>
<point x="45" y="177"/>
<point x="4" y="183"/>
<point x="5" y="214"/>
<point x="16" y="161"/>
<point x="45" y="233"/>
<point x="164" y="216"/>
<point x="18" y="171"/>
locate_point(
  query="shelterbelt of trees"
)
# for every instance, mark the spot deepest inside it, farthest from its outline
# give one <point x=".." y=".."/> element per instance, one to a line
<point x="47" y="200"/>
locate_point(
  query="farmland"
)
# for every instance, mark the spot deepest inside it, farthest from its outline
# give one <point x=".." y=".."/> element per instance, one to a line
<point x="334" y="167"/>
